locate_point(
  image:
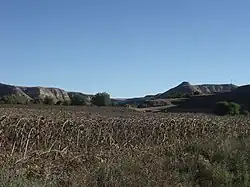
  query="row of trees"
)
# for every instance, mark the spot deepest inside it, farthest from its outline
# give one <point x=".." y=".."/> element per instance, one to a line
<point x="100" y="99"/>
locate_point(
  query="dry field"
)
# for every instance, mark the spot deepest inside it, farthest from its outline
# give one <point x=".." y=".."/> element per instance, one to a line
<point x="67" y="146"/>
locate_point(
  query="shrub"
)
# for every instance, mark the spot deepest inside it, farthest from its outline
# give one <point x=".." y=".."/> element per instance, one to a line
<point x="164" y="110"/>
<point x="101" y="99"/>
<point x="246" y="112"/>
<point x="8" y="100"/>
<point x="143" y="105"/>
<point x="48" y="101"/>
<point x="78" y="100"/>
<point x="227" y="108"/>
<point x="179" y="95"/>
<point x="14" y="99"/>
<point x="66" y="103"/>
<point x="234" y="108"/>
<point x="1" y="101"/>
<point x="59" y="103"/>
<point x="37" y="101"/>
<point x="114" y="103"/>
<point x="196" y="93"/>
<point x="176" y="95"/>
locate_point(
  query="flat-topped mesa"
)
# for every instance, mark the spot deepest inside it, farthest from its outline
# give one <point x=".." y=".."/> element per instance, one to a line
<point x="34" y="93"/>
<point x="42" y="92"/>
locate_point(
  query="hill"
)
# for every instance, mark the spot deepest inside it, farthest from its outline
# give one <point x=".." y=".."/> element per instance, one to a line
<point x="36" y="94"/>
<point x="185" y="88"/>
<point x="206" y="103"/>
<point x="203" y="89"/>
<point x="197" y="97"/>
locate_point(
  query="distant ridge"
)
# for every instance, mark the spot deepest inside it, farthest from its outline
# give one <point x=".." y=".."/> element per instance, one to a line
<point x="185" y="88"/>
<point x="27" y="94"/>
<point x="202" y="89"/>
<point x="60" y="95"/>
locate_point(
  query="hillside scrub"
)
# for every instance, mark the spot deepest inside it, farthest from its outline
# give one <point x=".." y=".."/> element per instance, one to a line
<point x="48" y="101"/>
<point x="13" y="99"/>
<point x="178" y="95"/>
<point x="227" y="108"/>
<point x="116" y="147"/>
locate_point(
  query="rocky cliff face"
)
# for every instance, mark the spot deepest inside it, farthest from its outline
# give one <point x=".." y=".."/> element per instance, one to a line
<point x="42" y="92"/>
<point x="33" y="93"/>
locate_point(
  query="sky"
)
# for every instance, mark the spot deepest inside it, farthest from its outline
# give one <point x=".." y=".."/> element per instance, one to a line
<point x="126" y="48"/>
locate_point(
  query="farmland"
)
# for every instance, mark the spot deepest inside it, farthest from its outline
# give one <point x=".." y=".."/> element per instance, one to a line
<point x="92" y="146"/>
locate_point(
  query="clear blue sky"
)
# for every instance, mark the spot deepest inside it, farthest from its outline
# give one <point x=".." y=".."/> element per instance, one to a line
<point x="124" y="47"/>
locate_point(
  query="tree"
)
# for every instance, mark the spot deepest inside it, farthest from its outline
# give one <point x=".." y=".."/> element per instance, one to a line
<point x="101" y="99"/>
<point x="66" y="103"/>
<point x="234" y="108"/>
<point x="163" y="110"/>
<point x="227" y="108"/>
<point x="143" y="105"/>
<point x="2" y="101"/>
<point x="246" y="112"/>
<point x="48" y="101"/>
<point x="37" y="100"/>
<point x="8" y="99"/>
<point x="14" y="99"/>
<point x="196" y="93"/>
<point x="114" y="103"/>
<point x="78" y="100"/>
<point x="59" y="103"/>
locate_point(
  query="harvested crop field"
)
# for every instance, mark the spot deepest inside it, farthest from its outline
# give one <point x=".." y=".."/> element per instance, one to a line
<point x="74" y="146"/>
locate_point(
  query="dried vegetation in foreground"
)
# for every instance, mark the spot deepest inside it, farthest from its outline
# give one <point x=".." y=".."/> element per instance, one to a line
<point x="111" y="147"/>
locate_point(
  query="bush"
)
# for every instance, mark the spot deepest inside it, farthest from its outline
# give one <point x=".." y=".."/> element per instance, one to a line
<point x="246" y="112"/>
<point x="179" y="95"/>
<point x="143" y="105"/>
<point x="101" y="99"/>
<point x="37" y="101"/>
<point x="164" y="110"/>
<point x="114" y="103"/>
<point x="1" y="101"/>
<point x="196" y="93"/>
<point x="176" y="95"/>
<point x="66" y="103"/>
<point x="78" y="100"/>
<point x="48" y="101"/>
<point x="59" y="103"/>
<point x="14" y="99"/>
<point x="227" y="108"/>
